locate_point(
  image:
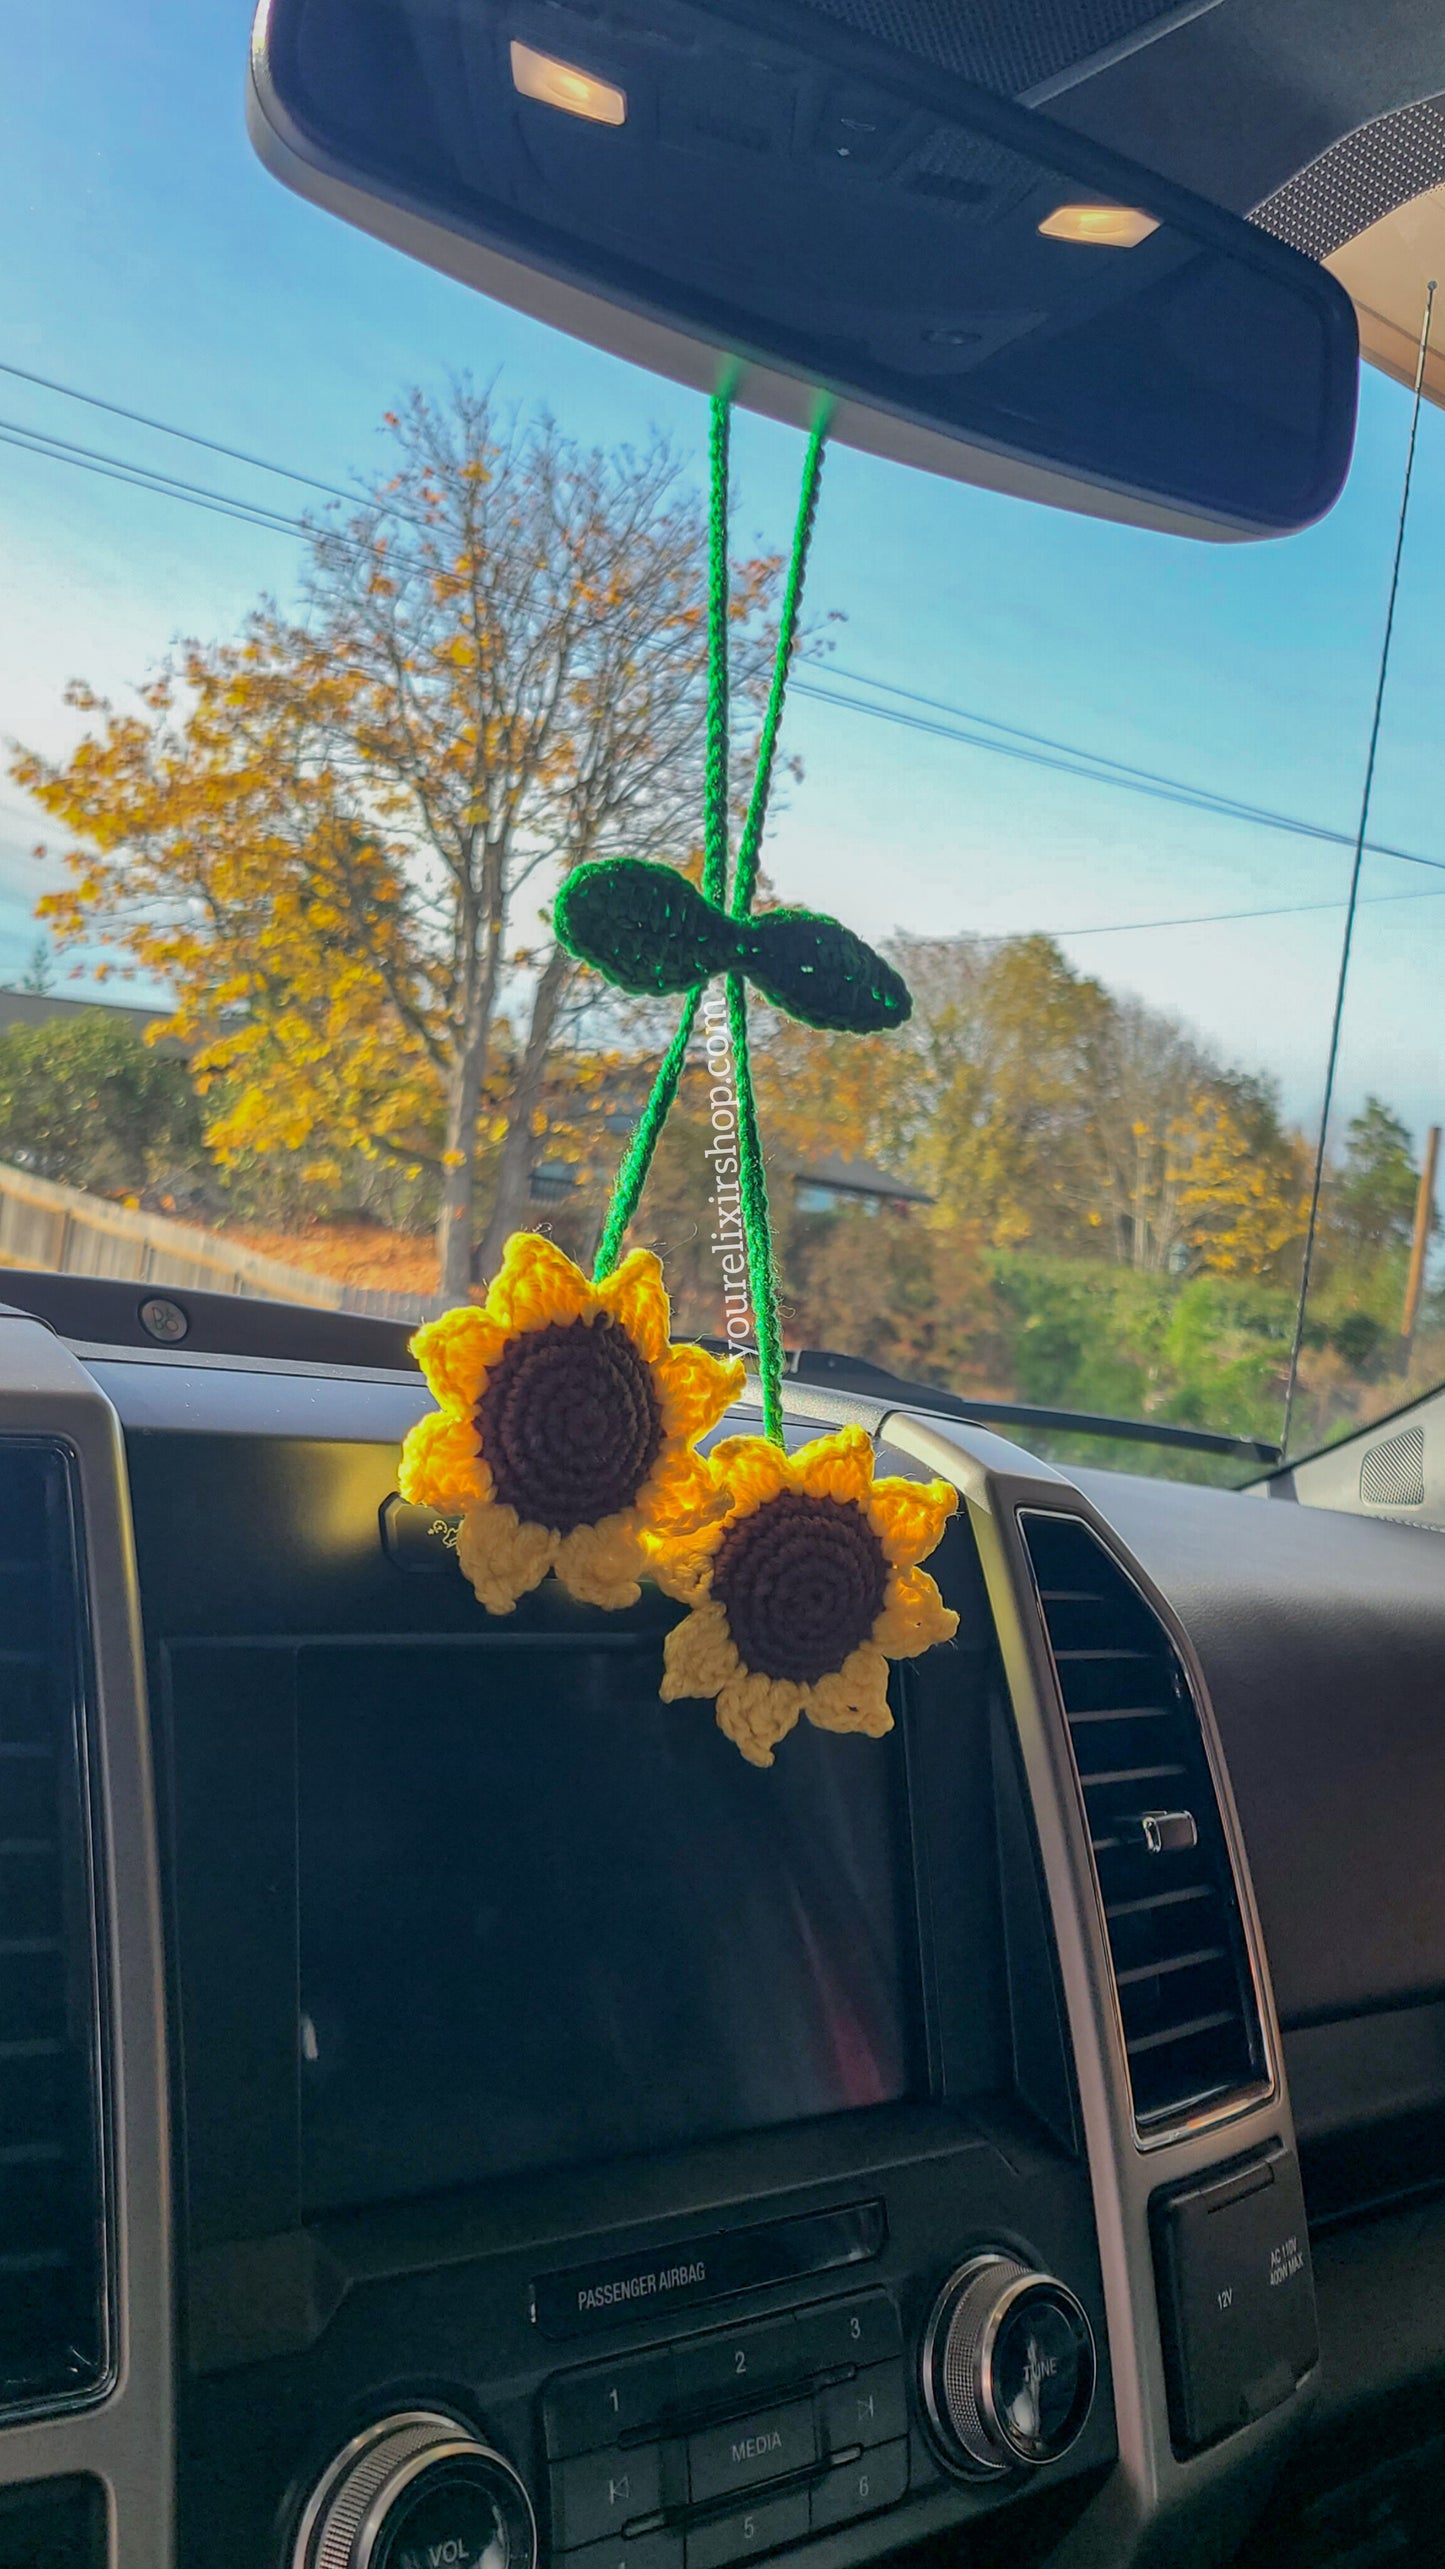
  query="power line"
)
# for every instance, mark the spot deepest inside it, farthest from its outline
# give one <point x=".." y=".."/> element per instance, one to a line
<point x="141" y="477"/>
<point x="1064" y="760"/>
<point x="1223" y="918"/>
<point x="148" y="477"/>
<point x="166" y="428"/>
<point x="1030" y="748"/>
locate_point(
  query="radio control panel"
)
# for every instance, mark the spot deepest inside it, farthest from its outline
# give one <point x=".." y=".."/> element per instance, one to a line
<point x="720" y="2447"/>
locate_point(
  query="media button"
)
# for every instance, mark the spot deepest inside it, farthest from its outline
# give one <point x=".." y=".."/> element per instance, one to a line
<point x="871" y="2409"/>
<point x="725" y="2458"/>
<point x="861" y="2331"/>
<point x="582" y="2411"/>
<point x="598" y="2493"/>
<point x="765" y="2527"/>
<point x="876" y="2479"/>
<point x="736" y="2362"/>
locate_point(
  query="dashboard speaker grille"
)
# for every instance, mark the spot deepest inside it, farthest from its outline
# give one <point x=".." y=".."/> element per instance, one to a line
<point x="1191" y="2024"/>
<point x="52" y="2267"/>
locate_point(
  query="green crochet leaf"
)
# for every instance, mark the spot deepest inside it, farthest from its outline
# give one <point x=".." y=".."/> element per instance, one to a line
<point x="646" y="929"/>
<point x="817" y="970"/>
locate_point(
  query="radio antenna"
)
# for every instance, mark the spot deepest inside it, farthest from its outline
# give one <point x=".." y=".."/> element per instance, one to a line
<point x="1353" y="903"/>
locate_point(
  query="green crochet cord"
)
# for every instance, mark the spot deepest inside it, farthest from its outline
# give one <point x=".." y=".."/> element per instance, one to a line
<point x="632" y="1175"/>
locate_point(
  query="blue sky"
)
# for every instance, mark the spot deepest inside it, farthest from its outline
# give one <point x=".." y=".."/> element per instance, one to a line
<point x="150" y="260"/>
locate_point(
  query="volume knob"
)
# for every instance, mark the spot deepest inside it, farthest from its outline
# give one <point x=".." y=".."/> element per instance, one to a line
<point x="413" y="2489"/>
<point x="1007" y="2367"/>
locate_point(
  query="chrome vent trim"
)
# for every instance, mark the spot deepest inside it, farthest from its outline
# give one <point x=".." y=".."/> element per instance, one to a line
<point x="1188" y="2009"/>
<point x="54" y="2297"/>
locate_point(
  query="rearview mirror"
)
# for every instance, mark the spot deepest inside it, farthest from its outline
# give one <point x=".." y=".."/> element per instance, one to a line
<point x="982" y="292"/>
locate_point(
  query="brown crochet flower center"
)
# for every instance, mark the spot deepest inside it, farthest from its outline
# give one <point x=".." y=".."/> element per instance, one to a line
<point x="803" y="1581"/>
<point x="570" y="1423"/>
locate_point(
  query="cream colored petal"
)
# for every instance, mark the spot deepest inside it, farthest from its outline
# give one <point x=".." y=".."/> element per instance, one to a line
<point x="699" y="1655"/>
<point x="636" y="1295"/>
<point x="682" y="1565"/>
<point x="753" y="1469"/>
<point x="855" y="1697"/>
<point x="538" y="1284"/>
<point x="455" y="1352"/>
<point x="602" y="1564"/>
<point x="441" y="1466"/>
<point x="836" y="1467"/>
<point x="695" y="1389"/>
<point x="909" y="1517"/>
<point x="755" y="1712"/>
<point x="682" y="1495"/>
<point x="914" y="1616"/>
<point x="502" y="1557"/>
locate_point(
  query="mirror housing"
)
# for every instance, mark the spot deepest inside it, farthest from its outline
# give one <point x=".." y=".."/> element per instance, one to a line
<point x="692" y="182"/>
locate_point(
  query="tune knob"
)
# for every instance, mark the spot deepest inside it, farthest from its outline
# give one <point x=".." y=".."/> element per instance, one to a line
<point x="1007" y="2366"/>
<point x="417" y="2491"/>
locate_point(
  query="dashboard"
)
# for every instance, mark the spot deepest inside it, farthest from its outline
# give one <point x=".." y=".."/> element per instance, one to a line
<point x="452" y="2111"/>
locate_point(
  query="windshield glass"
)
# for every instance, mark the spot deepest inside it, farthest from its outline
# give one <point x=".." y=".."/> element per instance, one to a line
<point x="319" y="568"/>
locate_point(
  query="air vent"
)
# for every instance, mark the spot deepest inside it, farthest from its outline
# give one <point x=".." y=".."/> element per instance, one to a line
<point x="52" y="2296"/>
<point x="1186" y="1998"/>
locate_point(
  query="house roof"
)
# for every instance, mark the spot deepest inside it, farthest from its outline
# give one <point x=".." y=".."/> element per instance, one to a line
<point x="857" y="1177"/>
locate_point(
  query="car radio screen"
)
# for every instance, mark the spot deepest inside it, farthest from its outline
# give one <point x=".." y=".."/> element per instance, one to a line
<point x="547" y="1918"/>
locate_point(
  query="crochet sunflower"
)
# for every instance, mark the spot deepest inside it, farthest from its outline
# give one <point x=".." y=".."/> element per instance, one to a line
<point x="805" y="1590"/>
<point x="565" y="1427"/>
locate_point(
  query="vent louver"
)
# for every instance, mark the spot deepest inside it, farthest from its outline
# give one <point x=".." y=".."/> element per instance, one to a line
<point x="1171" y="1910"/>
<point x="52" y="2273"/>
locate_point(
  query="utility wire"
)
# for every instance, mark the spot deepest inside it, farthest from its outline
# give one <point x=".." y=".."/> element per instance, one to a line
<point x="115" y="468"/>
<point x="1070" y="762"/>
<point x="1352" y="906"/>
<point x="1030" y="747"/>
<point x="1226" y="918"/>
<point x="165" y="428"/>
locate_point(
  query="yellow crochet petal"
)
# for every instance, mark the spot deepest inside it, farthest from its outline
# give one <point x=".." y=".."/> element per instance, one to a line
<point x="909" y="1517"/>
<point x="682" y="1565"/>
<point x="683" y="1495"/>
<point x="441" y="1466"/>
<point x="502" y="1557"/>
<point x="914" y="1616"/>
<point x="836" y="1467"/>
<point x="636" y="1295"/>
<point x="538" y="1284"/>
<point x="752" y="1469"/>
<point x="755" y="1712"/>
<point x="455" y="1352"/>
<point x="601" y="1564"/>
<point x="695" y="1389"/>
<point x="855" y="1697"/>
<point x="699" y="1655"/>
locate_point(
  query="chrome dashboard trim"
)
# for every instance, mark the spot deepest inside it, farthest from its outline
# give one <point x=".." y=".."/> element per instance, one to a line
<point x="123" y="2435"/>
<point x="1151" y="2506"/>
<point x="1240" y="2100"/>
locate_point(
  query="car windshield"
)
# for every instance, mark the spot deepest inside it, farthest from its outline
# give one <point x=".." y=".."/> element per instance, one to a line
<point x="347" y="612"/>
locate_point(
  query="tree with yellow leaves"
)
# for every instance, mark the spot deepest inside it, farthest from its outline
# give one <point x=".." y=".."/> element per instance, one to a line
<point x="336" y="838"/>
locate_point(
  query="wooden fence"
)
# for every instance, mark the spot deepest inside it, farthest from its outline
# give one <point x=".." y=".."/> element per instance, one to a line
<point x="70" y="1233"/>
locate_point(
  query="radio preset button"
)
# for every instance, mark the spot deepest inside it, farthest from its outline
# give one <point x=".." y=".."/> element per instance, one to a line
<point x="869" y="2410"/>
<point x="737" y="2362"/>
<point x="725" y="2458"/>
<point x="876" y="2479"/>
<point x="597" y="2493"/>
<point x="630" y="2551"/>
<point x="765" y="2527"/>
<point x="583" y="2411"/>
<point x="862" y="2331"/>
